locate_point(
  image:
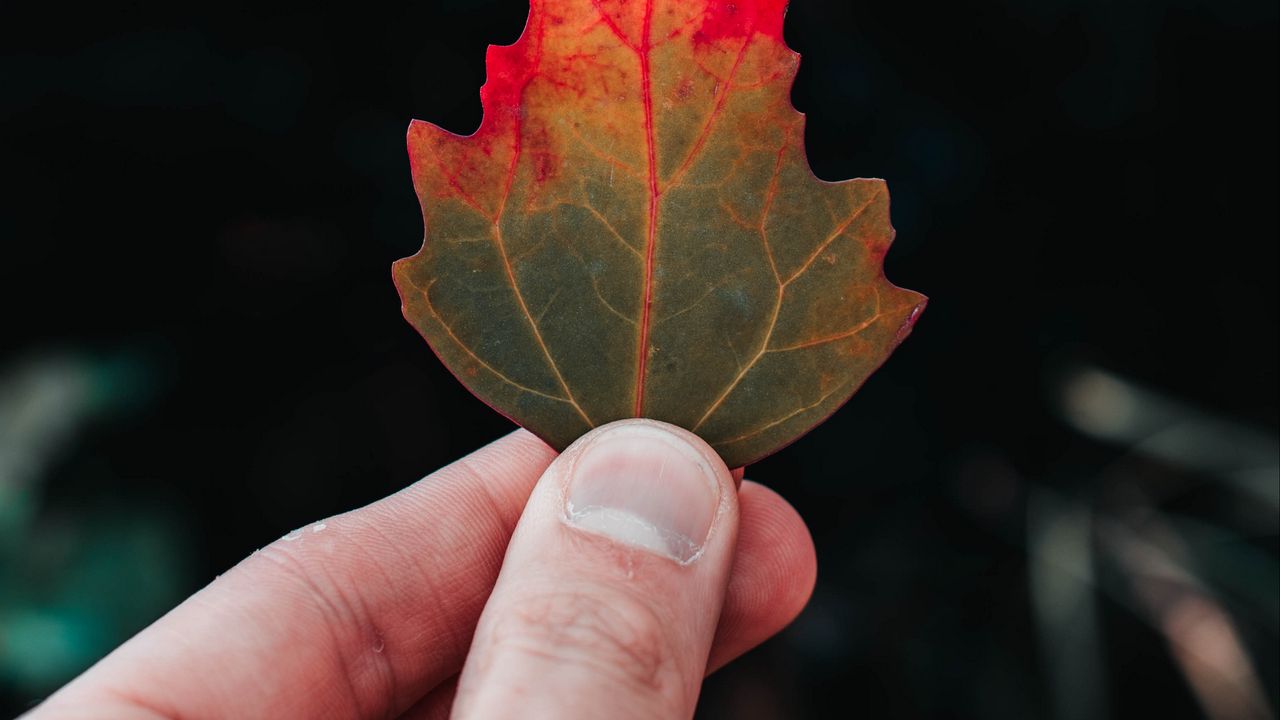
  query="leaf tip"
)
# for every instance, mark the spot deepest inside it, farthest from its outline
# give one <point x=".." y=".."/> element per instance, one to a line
<point x="910" y="322"/>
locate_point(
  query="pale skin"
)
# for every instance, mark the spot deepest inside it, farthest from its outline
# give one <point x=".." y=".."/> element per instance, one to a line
<point x="475" y="594"/>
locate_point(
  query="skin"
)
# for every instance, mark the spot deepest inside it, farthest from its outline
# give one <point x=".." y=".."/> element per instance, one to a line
<point x="373" y="613"/>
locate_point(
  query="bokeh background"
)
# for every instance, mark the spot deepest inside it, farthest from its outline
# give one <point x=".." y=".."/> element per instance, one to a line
<point x="1058" y="499"/>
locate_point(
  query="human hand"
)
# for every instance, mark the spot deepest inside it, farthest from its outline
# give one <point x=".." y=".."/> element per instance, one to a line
<point x="635" y="568"/>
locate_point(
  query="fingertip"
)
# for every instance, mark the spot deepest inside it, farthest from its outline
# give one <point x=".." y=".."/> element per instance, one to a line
<point x="773" y="575"/>
<point x="795" y="557"/>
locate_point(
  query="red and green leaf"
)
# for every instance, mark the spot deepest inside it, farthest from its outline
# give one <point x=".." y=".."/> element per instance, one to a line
<point x="634" y="230"/>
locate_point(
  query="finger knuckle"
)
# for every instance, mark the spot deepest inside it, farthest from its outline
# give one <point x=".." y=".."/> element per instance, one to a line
<point x="342" y="613"/>
<point x="615" y="635"/>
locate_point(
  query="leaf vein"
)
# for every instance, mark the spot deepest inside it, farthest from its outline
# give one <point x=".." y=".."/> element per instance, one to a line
<point x="830" y="239"/>
<point x="784" y="418"/>
<point x="596" y="286"/>
<point x="773" y="320"/>
<point x="860" y="328"/>
<point x="467" y="349"/>
<point x="722" y="96"/>
<point x="516" y="149"/>
<point x="613" y="231"/>
<point x="655" y="195"/>
<point x="613" y="26"/>
<point x="769" y="195"/>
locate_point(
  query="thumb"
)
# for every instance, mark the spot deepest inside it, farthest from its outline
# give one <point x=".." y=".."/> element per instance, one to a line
<point x="611" y="589"/>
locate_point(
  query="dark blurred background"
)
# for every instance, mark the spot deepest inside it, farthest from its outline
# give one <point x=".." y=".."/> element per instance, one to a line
<point x="1057" y="500"/>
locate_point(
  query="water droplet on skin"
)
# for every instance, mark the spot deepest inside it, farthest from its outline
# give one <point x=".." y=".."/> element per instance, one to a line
<point x="292" y="536"/>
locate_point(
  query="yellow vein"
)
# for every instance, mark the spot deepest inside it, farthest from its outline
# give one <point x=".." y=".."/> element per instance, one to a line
<point x="533" y="324"/>
<point x="609" y="226"/>
<point x="542" y="313"/>
<point x="773" y="319"/>
<point x="711" y="118"/>
<point x="832" y="238"/>
<point x="466" y="349"/>
<point x="769" y="195"/>
<point x="780" y="420"/>
<point x="601" y="154"/>
<point x="608" y="305"/>
<point x="710" y="289"/>
<point x="506" y="262"/>
<point x="861" y="327"/>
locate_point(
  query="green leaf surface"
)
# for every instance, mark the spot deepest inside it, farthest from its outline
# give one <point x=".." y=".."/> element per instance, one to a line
<point x="634" y="230"/>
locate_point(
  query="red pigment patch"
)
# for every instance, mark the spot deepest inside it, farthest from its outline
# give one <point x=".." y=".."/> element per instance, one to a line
<point x="545" y="161"/>
<point x="544" y="167"/>
<point x="511" y="67"/>
<point x="739" y="19"/>
<point x="684" y="90"/>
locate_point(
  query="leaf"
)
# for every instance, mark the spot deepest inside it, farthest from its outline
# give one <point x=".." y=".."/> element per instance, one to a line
<point x="634" y="230"/>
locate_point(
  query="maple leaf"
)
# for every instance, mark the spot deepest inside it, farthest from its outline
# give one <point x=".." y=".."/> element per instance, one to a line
<point x="634" y="230"/>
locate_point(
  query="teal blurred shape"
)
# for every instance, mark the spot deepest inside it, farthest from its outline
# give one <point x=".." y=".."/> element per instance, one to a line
<point x="75" y="581"/>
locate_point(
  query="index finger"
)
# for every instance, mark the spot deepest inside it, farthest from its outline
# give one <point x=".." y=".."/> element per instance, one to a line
<point x="355" y="616"/>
